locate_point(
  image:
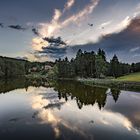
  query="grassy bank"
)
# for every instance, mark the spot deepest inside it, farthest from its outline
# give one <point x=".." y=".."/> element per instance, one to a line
<point x="134" y="77"/>
<point x="128" y="82"/>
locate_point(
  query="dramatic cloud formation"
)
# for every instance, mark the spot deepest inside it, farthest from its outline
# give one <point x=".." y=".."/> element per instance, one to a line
<point x="88" y="24"/>
<point x="82" y="14"/>
<point x="118" y="43"/>
<point x="126" y="40"/>
<point x="49" y="29"/>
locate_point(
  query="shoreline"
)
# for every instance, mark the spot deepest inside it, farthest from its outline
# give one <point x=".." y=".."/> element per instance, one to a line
<point x="110" y="83"/>
<point x="107" y="82"/>
<point x="124" y="85"/>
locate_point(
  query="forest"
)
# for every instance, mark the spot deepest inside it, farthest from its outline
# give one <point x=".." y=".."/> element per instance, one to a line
<point x="85" y="65"/>
<point x="93" y="65"/>
<point x="12" y="67"/>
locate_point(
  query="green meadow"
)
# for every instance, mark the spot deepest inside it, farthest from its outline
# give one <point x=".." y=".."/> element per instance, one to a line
<point x="134" y="77"/>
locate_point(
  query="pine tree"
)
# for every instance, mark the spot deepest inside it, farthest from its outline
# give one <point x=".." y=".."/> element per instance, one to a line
<point x="114" y="64"/>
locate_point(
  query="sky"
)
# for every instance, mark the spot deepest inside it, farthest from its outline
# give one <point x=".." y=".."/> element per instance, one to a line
<point x="44" y="30"/>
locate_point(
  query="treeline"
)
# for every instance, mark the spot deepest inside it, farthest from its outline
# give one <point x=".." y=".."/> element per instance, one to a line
<point x="8" y="84"/>
<point x="11" y="67"/>
<point x="93" y="65"/>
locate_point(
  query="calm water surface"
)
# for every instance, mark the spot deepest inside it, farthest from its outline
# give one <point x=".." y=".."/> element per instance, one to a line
<point x="67" y="111"/>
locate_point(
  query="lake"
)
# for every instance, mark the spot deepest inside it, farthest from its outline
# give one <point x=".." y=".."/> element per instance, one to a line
<point x="67" y="110"/>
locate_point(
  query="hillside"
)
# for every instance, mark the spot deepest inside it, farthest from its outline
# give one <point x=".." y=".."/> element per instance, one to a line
<point x="135" y="77"/>
<point x="11" y="67"/>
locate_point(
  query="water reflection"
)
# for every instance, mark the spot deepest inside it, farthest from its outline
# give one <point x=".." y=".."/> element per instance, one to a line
<point x="67" y="110"/>
<point x="7" y="85"/>
<point x="84" y="94"/>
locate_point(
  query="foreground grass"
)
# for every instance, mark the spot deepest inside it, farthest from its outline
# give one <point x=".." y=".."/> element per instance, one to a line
<point x="134" y="77"/>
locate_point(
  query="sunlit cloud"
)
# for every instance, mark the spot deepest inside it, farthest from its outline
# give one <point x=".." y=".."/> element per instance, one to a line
<point x="105" y="24"/>
<point x="68" y="5"/>
<point x="137" y="11"/>
<point x="38" y="43"/>
<point x="82" y="14"/>
<point x="120" y="26"/>
<point x="53" y="28"/>
<point x="49" y="29"/>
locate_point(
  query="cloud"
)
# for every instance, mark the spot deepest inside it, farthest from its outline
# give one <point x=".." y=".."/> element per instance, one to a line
<point x="119" y="43"/>
<point x="22" y="58"/>
<point x="68" y="5"/>
<point x="54" y="49"/>
<point x="56" y="16"/>
<point x="120" y="26"/>
<point x="135" y="49"/>
<point x="82" y="14"/>
<point x="53" y="52"/>
<point x="124" y="23"/>
<point x="137" y="12"/>
<point x="1" y="25"/>
<point x="105" y="24"/>
<point x="136" y="55"/>
<point x="54" y="41"/>
<point x="37" y="43"/>
<point x="49" y="29"/>
<point x="35" y="31"/>
<point x="17" y="27"/>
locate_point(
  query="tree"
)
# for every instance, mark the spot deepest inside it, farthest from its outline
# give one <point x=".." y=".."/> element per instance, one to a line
<point x="102" y="54"/>
<point x="53" y="73"/>
<point x="114" y="66"/>
<point x="79" y="53"/>
<point x="101" y="66"/>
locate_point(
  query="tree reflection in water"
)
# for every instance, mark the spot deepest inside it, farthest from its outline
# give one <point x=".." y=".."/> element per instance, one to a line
<point x="68" y="109"/>
<point x="83" y="94"/>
